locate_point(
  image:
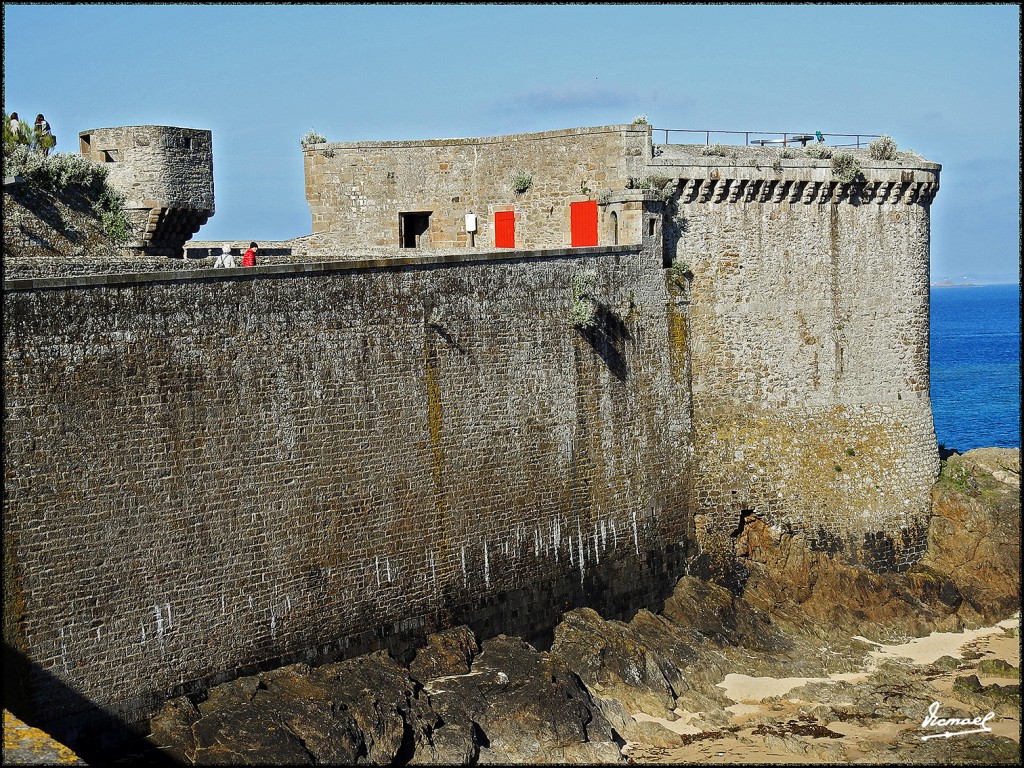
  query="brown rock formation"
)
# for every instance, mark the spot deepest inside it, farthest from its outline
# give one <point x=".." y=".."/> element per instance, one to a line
<point x="974" y="535"/>
<point x="504" y="702"/>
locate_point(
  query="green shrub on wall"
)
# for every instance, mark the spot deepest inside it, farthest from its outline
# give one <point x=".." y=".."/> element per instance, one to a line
<point x="520" y="181"/>
<point x="583" y="313"/>
<point x="311" y="138"/>
<point x="882" y="148"/>
<point x="64" y="173"/>
<point x="715" y="150"/>
<point x="845" y="167"/>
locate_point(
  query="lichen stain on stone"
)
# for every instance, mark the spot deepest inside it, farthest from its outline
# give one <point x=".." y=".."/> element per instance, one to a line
<point x="587" y="408"/>
<point x="810" y="458"/>
<point x="30" y="746"/>
<point x="435" y="413"/>
<point x="677" y="339"/>
<point x="15" y="608"/>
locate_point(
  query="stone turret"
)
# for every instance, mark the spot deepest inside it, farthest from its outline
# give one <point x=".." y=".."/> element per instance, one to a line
<point x="166" y="174"/>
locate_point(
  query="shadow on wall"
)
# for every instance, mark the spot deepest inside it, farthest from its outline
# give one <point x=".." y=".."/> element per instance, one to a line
<point x="608" y="337"/>
<point x="97" y="737"/>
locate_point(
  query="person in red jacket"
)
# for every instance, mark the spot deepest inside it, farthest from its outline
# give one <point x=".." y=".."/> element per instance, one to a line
<point x="249" y="258"/>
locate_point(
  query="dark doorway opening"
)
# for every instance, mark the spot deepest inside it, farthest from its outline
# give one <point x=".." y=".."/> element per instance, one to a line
<point x="412" y="227"/>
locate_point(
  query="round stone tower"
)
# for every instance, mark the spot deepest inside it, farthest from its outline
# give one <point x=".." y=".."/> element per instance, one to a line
<point x="166" y="174"/>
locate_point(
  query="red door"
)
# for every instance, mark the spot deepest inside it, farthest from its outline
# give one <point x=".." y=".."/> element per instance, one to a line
<point x="583" y="223"/>
<point x="505" y="229"/>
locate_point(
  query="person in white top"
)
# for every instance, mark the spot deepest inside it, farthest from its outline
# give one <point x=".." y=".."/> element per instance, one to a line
<point x="225" y="258"/>
<point x="18" y="128"/>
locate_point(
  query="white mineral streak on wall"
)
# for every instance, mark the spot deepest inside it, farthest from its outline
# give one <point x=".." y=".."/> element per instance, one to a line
<point x="487" y="566"/>
<point x="159" y="628"/>
<point x="579" y="539"/>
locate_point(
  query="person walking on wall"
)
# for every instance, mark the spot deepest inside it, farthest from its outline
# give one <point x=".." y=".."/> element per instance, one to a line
<point x="249" y="259"/>
<point x="225" y="258"/>
<point x="45" y="140"/>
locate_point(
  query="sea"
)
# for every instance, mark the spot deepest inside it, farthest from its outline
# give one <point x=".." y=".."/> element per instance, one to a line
<point x="975" y="366"/>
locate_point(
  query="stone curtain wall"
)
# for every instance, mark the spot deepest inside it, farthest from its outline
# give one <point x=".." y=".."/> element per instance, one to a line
<point x="206" y="472"/>
<point x="356" y="190"/>
<point x="809" y="343"/>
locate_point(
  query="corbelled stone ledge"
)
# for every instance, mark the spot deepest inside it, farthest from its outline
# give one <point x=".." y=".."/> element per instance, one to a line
<point x="305" y="268"/>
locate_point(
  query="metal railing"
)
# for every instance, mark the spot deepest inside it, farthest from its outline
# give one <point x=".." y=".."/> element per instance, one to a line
<point x="780" y="138"/>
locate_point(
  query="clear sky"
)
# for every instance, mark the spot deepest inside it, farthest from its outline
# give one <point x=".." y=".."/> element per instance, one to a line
<point x="943" y="80"/>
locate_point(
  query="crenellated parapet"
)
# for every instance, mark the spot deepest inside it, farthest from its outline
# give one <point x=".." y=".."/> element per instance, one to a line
<point x="166" y="175"/>
<point x="704" y="189"/>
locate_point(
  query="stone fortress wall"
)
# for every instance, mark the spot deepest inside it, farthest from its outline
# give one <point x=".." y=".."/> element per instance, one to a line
<point x="166" y="174"/>
<point x="809" y="332"/>
<point x="212" y="471"/>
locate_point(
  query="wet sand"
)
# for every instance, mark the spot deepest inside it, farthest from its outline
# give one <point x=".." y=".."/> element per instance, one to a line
<point x="786" y="737"/>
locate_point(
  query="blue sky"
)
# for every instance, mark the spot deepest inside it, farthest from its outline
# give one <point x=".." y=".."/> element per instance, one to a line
<point x="943" y="80"/>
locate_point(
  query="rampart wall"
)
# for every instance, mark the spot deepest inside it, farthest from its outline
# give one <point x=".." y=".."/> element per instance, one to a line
<point x="208" y="472"/>
<point x="809" y="330"/>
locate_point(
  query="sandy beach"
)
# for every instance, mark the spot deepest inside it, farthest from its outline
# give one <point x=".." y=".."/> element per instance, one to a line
<point x="771" y="721"/>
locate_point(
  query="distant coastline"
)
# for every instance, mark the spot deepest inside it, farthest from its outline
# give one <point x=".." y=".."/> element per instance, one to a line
<point x="946" y="283"/>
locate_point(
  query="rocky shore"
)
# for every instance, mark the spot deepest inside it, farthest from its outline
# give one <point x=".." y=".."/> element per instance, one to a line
<point x="814" y="661"/>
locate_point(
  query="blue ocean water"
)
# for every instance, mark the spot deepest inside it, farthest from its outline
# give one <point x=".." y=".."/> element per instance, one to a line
<point x="975" y="366"/>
